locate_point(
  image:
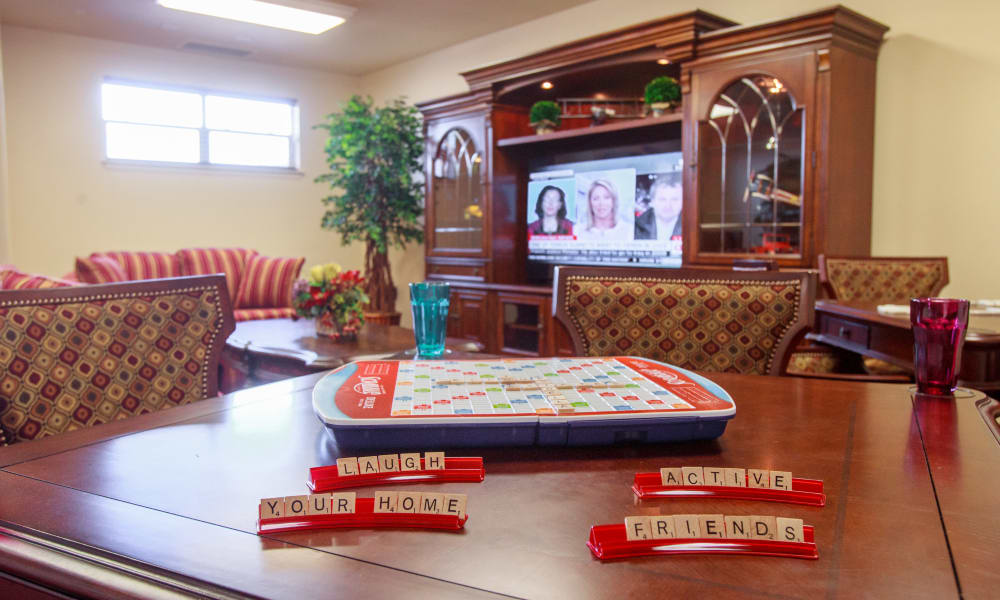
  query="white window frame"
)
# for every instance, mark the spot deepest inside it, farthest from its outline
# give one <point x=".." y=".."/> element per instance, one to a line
<point x="293" y="139"/>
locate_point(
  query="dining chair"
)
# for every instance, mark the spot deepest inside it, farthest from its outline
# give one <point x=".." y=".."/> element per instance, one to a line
<point x="706" y="320"/>
<point x="80" y="356"/>
<point x="882" y="280"/>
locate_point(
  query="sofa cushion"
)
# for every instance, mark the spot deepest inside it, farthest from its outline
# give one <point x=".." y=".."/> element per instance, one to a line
<point x="146" y="265"/>
<point x="232" y="262"/>
<point x="13" y="279"/>
<point x="255" y="314"/>
<point x="99" y="268"/>
<point x="268" y="281"/>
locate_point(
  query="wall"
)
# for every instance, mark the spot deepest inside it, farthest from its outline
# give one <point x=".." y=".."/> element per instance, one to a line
<point x="936" y="144"/>
<point x="64" y="202"/>
<point x="4" y="209"/>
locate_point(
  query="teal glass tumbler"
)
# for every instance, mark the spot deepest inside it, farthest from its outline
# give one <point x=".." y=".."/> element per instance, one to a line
<point x="429" y="301"/>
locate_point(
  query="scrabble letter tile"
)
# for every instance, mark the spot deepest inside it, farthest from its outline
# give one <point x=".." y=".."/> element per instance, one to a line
<point x="454" y="504"/>
<point x="343" y="502"/>
<point x="388" y="463"/>
<point x="789" y="530"/>
<point x="431" y="504"/>
<point x="693" y="475"/>
<point x="272" y="508"/>
<point x="368" y="465"/>
<point x="409" y="502"/>
<point x="715" y="476"/>
<point x="385" y="502"/>
<point x="409" y="462"/>
<point x="637" y="528"/>
<point x="759" y="478"/>
<point x="296" y="505"/>
<point x="763" y="528"/>
<point x="661" y="527"/>
<point x="736" y="477"/>
<point x="347" y="466"/>
<point x="434" y="461"/>
<point x="671" y="476"/>
<point x="712" y="526"/>
<point x="781" y="480"/>
<point x="319" y="504"/>
<point x="686" y="526"/>
<point x="738" y="527"/>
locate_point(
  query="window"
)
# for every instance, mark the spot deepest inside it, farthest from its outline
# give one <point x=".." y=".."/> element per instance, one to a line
<point x="170" y="125"/>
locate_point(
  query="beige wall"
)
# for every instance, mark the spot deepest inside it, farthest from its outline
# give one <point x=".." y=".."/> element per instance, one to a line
<point x="4" y="209"/>
<point x="937" y="133"/>
<point x="64" y="202"/>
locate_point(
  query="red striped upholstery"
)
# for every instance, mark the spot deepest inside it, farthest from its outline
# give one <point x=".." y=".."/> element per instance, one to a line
<point x="12" y="279"/>
<point x="254" y="314"/>
<point x="99" y="268"/>
<point x="268" y="282"/>
<point x="147" y="265"/>
<point x="205" y="261"/>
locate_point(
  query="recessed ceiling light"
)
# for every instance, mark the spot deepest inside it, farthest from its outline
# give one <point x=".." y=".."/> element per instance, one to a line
<point x="294" y="15"/>
<point x="546" y="85"/>
<point x="663" y="61"/>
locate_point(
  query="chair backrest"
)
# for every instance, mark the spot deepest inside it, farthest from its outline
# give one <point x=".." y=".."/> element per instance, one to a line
<point x="80" y="356"/>
<point x="882" y="280"/>
<point x="706" y="320"/>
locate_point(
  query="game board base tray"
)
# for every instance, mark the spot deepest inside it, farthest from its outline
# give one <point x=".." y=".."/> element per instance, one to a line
<point x="608" y="542"/>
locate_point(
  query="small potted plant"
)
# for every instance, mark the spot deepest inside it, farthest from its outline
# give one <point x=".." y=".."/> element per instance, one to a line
<point x="544" y="116"/>
<point x="662" y="93"/>
<point x="334" y="298"/>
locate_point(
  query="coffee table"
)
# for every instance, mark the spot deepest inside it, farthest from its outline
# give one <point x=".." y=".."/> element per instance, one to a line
<point x="269" y="350"/>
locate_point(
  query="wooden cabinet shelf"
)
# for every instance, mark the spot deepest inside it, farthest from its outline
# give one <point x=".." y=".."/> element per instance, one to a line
<point x="596" y="130"/>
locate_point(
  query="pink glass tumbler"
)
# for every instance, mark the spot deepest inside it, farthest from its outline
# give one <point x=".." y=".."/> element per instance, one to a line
<point x="939" y="326"/>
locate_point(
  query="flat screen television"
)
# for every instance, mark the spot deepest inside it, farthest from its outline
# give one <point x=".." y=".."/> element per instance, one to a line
<point x="622" y="211"/>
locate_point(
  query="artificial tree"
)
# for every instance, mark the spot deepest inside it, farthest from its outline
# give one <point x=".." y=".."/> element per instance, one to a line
<point x="377" y="197"/>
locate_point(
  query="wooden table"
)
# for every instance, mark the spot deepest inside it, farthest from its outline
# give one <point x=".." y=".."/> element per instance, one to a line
<point x="860" y="328"/>
<point x="269" y="350"/>
<point x="167" y="502"/>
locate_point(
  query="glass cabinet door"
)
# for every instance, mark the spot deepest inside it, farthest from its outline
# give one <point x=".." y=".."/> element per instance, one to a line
<point x="457" y="194"/>
<point x="750" y="171"/>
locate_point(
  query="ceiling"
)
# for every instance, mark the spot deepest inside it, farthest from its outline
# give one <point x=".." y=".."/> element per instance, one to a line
<point x="381" y="32"/>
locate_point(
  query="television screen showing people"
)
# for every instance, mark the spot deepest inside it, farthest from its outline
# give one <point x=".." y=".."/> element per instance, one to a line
<point x="623" y="211"/>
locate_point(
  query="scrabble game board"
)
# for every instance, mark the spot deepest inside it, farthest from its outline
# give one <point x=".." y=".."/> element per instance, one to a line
<point x="552" y="401"/>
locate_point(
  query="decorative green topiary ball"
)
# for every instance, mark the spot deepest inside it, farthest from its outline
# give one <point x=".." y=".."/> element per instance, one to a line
<point x="663" y="89"/>
<point x="544" y="110"/>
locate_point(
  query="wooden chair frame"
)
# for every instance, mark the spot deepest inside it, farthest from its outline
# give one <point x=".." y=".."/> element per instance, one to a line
<point x="151" y="287"/>
<point x="780" y="354"/>
<point x="825" y="280"/>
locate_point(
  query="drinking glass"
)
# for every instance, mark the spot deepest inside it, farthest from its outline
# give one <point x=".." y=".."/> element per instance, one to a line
<point x="429" y="301"/>
<point x="939" y="326"/>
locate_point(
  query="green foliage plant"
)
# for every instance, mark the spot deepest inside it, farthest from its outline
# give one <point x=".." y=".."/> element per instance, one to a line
<point x="377" y="193"/>
<point x="544" y="110"/>
<point x="663" y="89"/>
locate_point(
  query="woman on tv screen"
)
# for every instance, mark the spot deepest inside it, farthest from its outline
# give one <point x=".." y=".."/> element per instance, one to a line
<point x="551" y="210"/>
<point x="602" y="211"/>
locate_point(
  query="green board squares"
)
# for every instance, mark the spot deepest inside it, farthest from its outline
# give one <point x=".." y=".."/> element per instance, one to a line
<point x="421" y="389"/>
<point x="580" y="404"/>
<point x="422" y="377"/>
<point x="494" y="389"/>
<point x="501" y="405"/>
<point x="631" y="385"/>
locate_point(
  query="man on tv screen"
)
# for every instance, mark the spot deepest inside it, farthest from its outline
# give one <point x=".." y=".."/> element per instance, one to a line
<point x="662" y="220"/>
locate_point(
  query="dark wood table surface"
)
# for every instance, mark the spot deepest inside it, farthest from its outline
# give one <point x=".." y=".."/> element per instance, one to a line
<point x="859" y="327"/>
<point x="167" y="503"/>
<point x="269" y="350"/>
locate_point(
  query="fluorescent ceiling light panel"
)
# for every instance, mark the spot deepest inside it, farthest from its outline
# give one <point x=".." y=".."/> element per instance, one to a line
<point x="306" y="17"/>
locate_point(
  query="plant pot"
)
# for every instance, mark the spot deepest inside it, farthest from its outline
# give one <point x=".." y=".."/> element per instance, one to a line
<point x="659" y="108"/>
<point x="327" y="326"/>
<point x="383" y="318"/>
<point x="544" y="126"/>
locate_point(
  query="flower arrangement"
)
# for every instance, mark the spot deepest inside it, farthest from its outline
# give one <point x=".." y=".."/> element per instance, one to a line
<point x="544" y="116"/>
<point x="334" y="298"/>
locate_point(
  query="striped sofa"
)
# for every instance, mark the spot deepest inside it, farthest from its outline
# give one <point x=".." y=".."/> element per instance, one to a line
<point x="260" y="286"/>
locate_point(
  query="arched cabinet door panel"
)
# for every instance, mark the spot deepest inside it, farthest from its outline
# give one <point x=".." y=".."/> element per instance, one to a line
<point x="457" y="204"/>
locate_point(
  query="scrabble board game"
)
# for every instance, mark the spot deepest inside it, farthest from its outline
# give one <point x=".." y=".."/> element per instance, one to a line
<point x="552" y="401"/>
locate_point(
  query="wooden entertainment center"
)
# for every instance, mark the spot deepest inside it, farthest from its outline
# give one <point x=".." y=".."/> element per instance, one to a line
<point x="776" y="127"/>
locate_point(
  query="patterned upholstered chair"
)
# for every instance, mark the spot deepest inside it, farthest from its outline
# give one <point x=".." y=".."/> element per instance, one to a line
<point x="706" y="320"/>
<point x="882" y="280"/>
<point x="76" y="357"/>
